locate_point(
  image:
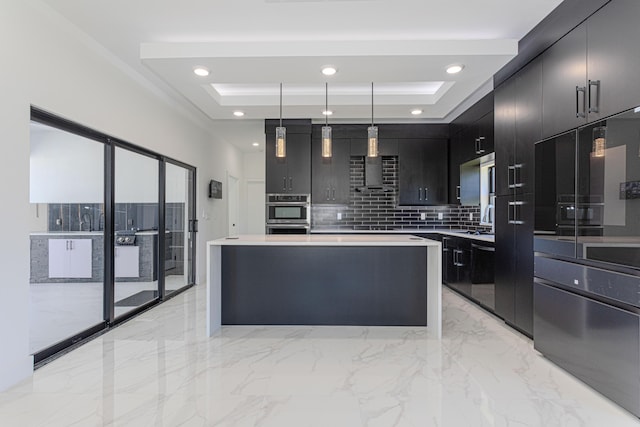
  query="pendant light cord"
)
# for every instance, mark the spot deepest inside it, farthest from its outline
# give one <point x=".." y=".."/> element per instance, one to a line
<point x="280" y="104"/>
<point x="326" y="104"/>
<point x="371" y="104"/>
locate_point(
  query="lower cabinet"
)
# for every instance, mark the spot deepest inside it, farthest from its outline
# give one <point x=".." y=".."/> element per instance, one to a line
<point x="468" y="267"/>
<point x="70" y="258"/>
<point x="127" y="261"/>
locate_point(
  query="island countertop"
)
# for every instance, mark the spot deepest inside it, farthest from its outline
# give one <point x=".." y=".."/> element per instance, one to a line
<point x="323" y="240"/>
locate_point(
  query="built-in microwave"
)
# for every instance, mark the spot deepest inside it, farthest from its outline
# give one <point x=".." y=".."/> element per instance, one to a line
<point x="288" y="209"/>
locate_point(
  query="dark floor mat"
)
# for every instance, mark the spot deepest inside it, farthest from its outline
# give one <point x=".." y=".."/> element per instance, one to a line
<point x="135" y="300"/>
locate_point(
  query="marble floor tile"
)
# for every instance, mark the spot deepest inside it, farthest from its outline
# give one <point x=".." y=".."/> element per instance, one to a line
<point x="160" y="369"/>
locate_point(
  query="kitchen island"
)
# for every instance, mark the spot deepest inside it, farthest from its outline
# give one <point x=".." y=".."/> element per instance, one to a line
<point x="390" y="280"/>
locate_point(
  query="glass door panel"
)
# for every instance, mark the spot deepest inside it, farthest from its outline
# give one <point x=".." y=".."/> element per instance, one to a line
<point x="179" y="241"/>
<point x="67" y="236"/>
<point x="608" y="199"/>
<point x="136" y="230"/>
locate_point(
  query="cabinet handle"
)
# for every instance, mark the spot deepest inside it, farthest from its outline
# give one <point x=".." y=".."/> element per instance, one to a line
<point x="579" y="113"/>
<point x="426" y="193"/>
<point x="333" y="197"/>
<point x="479" y="149"/>
<point x="457" y="192"/>
<point x="514" y="217"/>
<point x="284" y="183"/>
<point x="594" y="108"/>
<point x="290" y="183"/>
<point x="420" y="193"/>
<point x="327" y="197"/>
<point x="515" y="175"/>
<point x="66" y="243"/>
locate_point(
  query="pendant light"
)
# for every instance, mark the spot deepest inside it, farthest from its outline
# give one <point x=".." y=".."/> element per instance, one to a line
<point x="326" y="129"/>
<point x="281" y="134"/>
<point x="599" y="141"/>
<point x="372" y="133"/>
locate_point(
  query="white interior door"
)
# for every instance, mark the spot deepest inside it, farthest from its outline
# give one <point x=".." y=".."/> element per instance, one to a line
<point x="234" y="206"/>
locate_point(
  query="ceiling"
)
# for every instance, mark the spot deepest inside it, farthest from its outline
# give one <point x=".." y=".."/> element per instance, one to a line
<point x="251" y="46"/>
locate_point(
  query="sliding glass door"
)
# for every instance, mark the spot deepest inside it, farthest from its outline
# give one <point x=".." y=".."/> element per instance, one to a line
<point x="67" y="236"/>
<point x="112" y="233"/>
<point x="179" y="212"/>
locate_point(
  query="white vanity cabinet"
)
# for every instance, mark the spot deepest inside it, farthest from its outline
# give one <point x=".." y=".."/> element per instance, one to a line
<point x="70" y="258"/>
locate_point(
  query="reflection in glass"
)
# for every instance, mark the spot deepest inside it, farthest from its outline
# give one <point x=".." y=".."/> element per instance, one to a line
<point x="66" y="240"/>
<point x="609" y="191"/>
<point x="136" y="230"/>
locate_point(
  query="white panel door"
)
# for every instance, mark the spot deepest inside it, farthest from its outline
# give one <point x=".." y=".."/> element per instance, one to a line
<point x="70" y="258"/>
<point x="127" y="261"/>
<point x="58" y="258"/>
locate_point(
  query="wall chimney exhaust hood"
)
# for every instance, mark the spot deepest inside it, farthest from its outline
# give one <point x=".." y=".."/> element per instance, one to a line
<point x="373" y="177"/>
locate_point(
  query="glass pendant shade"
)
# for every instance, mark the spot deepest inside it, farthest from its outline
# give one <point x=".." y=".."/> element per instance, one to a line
<point x="372" y="146"/>
<point x="599" y="141"/>
<point x="326" y="141"/>
<point x="281" y="141"/>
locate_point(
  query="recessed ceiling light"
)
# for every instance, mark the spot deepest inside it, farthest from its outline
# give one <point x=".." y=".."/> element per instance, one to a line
<point x="255" y="144"/>
<point x="416" y="112"/>
<point x="238" y="113"/>
<point x="201" y="71"/>
<point x="329" y="70"/>
<point x="327" y="112"/>
<point x="454" y="69"/>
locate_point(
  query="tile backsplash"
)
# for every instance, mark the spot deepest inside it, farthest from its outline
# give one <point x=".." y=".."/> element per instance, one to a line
<point x="379" y="210"/>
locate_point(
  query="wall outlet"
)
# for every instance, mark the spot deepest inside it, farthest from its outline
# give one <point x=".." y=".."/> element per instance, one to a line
<point x="440" y="215"/>
<point x="339" y="216"/>
<point x="423" y="216"/>
<point x="471" y="216"/>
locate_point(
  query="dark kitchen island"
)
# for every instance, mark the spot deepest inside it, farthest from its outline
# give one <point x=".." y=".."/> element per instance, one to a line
<point x="369" y="280"/>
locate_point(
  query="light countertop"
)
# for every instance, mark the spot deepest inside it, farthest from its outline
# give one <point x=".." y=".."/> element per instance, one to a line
<point x="323" y="240"/>
<point x="455" y="233"/>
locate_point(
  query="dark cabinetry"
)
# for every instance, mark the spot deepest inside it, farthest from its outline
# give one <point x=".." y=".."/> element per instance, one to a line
<point x="291" y="174"/>
<point x="330" y="176"/>
<point x="423" y="172"/>
<point x="518" y="125"/>
<point x="468" y="268"/>
<point x="471" y="137"/>
<point x="589" y="74"/>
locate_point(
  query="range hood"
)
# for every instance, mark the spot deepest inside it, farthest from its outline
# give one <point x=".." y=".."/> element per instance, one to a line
<point x="373" y="177"/>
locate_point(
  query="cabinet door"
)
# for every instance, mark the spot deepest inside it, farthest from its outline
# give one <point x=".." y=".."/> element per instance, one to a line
<point x="454" y="168"/>
<point x="614" y="58"/>
<point x="504" y="133"/>
<point x="321" y="179"/>
<point x="127" y="261"/>
<point x="410" y="161"/>
<point x="58" y="258"/>
<point x="523" y="272"/>
<point x="341" y="191"/>
<point x="505" y="261"/>
<point x="485" y="134"/>
<point x="528" y="124"/>
<point x="564" y="82"/>
<point x="299" y="163"/>
<point x="434" y="172"/>
<point x="276" y="168"/>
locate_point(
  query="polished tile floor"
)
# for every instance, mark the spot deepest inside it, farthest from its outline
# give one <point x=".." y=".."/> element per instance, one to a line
<point x="160" y="369"/>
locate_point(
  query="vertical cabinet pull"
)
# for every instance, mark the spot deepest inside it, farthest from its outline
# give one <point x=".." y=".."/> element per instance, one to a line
<point x="479" y="149"/>
<point x="457" y="192"/>
<point x="420" y="193"/>
<point x="290" y="184"/>
<point x="284" y="183"/>
<point x="580" y="113"/>
<point x="333" y="193"/>
<point x="515" y="176"/>
<point x="426" y="193"/>
<point x="514" y="216"/>
<point x="66" y="244"/>
<point x="595" y="106"/>
<point x="327" y="196"/>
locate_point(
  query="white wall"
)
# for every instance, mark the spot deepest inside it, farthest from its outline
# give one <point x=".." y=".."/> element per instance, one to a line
<point x="49" y="64"/>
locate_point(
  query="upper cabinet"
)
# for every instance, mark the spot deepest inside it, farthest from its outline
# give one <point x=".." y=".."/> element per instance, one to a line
<point x="291" y="174"/>
<point x="423" y="172"/>
<point x="330" y="176"/>
<point x="589" y="74"/>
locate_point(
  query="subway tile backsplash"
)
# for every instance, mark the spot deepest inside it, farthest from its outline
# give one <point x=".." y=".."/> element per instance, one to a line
<point x="379" y="210"/>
